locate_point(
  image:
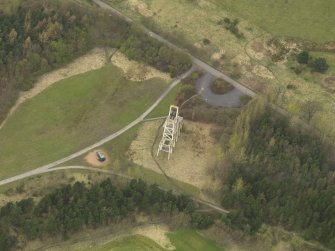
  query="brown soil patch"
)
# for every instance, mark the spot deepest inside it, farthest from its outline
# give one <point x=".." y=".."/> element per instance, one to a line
<point x="157" y="233"/>
<point x="136" y="71"/>
<point x="257" y="46"/>
<point x="263" y="72"/>
<point x="242" y="60"/>
<point x="140" y="7"/>
<point x="95" y="59"/>
<point x="218" y="55"/>
<point x="329" y="84"/>
<point x="257" y="50"/>
<point x="91" y="158"/>
<point x="194" y="155"/>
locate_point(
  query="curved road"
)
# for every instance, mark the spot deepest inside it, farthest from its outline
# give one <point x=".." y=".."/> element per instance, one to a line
<point x="229" y="99"/>
<point x="47" y="167"/>
<point x="202" y="65"/>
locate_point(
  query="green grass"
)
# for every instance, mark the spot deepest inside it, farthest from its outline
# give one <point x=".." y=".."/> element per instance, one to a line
<point x="70" y="115"/>
<point x="163" y="108"/>
<point x="9" y="5"/>
<point x="305" y="19"/>
<point x="190" y="240"/>
<point x="120" y="164"/>
<point x="131" y="243"/>
<point x="182" y="240"/>
<point x="330" y="57"/>
<point x="153" y="177"/>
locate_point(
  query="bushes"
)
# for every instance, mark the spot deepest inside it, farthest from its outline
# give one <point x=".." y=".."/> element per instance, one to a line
<point x="72" y="208"/>
<point x="232" y="26"/>
<point x="280" y="176"/>
<point x="38" y="37"/>
<point x="317" y="65"/>
<point x="141" y="47"/>
<point x="303" y="57"/>
<point x="201" y="221"/>
<point x="219" y="86"/>
<point x="35" y="38"/>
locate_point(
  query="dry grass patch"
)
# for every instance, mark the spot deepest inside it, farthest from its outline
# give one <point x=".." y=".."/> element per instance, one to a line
<point x="40" y="185"/>
<point x="157" y="233"/>
<point x="136" y="71"/>
<point x="93" y="60"/>
<point x="218" y="55"/>
<point x="140" y="7"/>
<point x="329" y="84"/>
<point x="193" y="157"/>
<point x="262" y="72"/>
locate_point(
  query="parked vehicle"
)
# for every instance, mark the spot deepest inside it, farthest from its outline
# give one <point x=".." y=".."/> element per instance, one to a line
<point x="101" y="156"/>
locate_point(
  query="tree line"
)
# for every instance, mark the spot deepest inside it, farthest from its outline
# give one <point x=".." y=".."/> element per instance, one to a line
<point x="38" y="37"/>
<point x="141" y="47"/>
<point x="74" y="207"/>
<point x="278" y="175"/>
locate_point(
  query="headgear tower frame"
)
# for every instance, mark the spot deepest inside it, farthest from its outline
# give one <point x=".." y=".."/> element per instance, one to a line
<point x="172" y="126"/>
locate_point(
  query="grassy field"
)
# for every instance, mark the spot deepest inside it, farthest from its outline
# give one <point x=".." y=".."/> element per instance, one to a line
<point x="247" y="59"/>
<point x="182" y="240"/>
<point x="163" y="108"/>
<point x="305" y="19"/>
<point x="8" y="5"/>
<point x="131" y="243"/>
<point x="70" y="115"/>
<point x="120" y="164"/>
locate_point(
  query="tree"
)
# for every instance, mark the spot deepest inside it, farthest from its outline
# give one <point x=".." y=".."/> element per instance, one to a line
<point x="7" y="242"/>
<point x="309" y="109"/>
<point x="320" y="65"/>
<point x="303" y="57"/>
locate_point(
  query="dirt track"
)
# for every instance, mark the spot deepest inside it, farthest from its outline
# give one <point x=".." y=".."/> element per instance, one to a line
<point x="191" y="160"/>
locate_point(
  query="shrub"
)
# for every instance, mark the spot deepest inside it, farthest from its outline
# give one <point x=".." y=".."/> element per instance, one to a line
<point x="219" y="86"/>
<point x="201" y="221"/>
<point x="291" y="87"/>
<point x="320" y="65"/>
<point x="303" y="57"/>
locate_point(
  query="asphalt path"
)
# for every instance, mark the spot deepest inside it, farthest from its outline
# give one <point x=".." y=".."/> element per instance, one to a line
<point x="199" y="63"/>
<point x="229" y="99"/>
<point x="196" y="62"/>
<point x="45" y="168"/>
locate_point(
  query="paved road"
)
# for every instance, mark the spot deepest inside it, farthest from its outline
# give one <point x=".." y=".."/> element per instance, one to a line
<point x="229" y="99"/>
<point x="202" y="65"/>
<point x="45" y="168"/>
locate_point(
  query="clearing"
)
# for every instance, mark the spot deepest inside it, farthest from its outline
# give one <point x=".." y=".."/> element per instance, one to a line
<point x="93" y="60"/>
<point x="305" y="19"/>
<point x="194" y="156"/>
<point x="181" y="240"/>
<point x="52" y="124"/>
<point x="136" y="71"/>
<point x="92" y="159"/>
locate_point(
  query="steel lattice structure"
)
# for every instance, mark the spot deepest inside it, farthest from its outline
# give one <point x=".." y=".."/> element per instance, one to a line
<point x="172" y="126"/>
